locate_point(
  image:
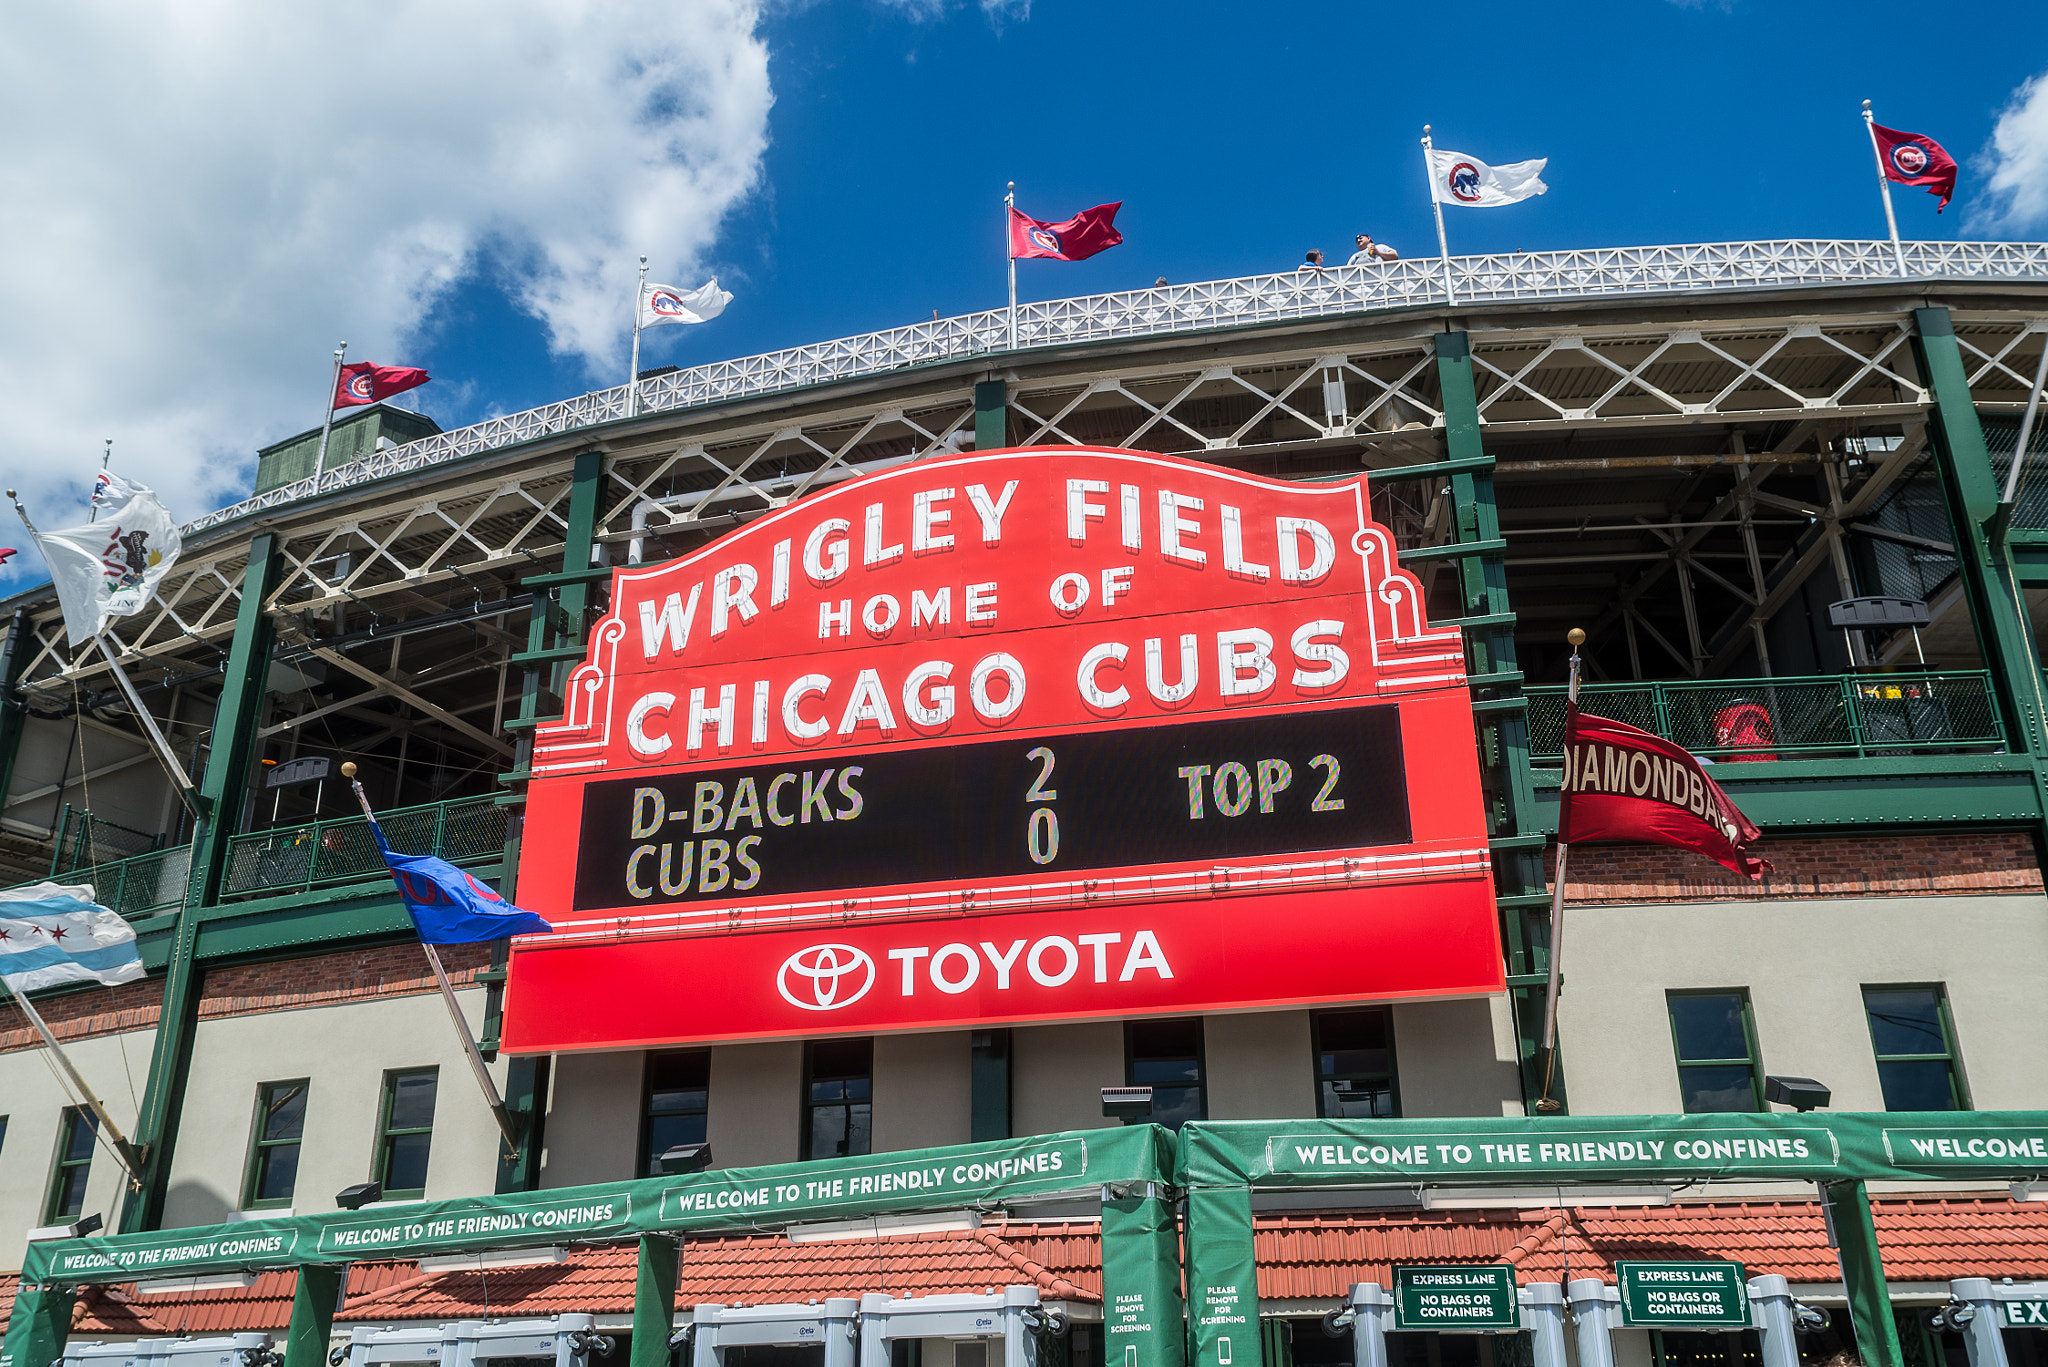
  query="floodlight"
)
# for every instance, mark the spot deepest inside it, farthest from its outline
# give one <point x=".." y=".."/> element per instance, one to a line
<point x="359" y="1195"/>
<point x="686" y="1158"/>
<point x="1800" y="1093"/>
<point x="1128" y="1104"/>
<point x="882" y="1226"/>
<point x="494" y="1258"/>
<point x="77" y="1229"/>
<point x="212" y="1281"/>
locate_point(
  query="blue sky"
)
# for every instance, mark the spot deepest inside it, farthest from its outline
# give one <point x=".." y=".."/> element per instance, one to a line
<point x="1239" y="136"/>
<point x="202" y="199"/>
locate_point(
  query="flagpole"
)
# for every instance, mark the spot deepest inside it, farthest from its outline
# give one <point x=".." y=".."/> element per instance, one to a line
<point x="1010" y="249"/>
<point x="186" y="792"/>
<point x="92" y="505"/>
<point x="130" y="1156"/>
<point x="1556" y="955"/>
<point x="1884" y="187"/>
<point x="476" y="1059"/>
<point x="1443" y="243"/>
<point x="327" y="423"/>
<point x="633" y="375"/>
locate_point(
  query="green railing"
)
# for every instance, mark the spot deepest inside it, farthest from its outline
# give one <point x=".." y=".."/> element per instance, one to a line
<point x="322" y="854"/>
<point x="1837" y="716"/>
<point x="142" y="885"/>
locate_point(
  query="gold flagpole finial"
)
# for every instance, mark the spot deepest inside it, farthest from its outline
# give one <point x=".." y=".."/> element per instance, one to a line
<point x="1576" y="636"/>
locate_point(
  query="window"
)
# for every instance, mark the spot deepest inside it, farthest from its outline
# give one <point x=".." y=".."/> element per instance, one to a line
<point x="838" y="1097"/>
<point x="1716" y="1045"/>
<point x="1355" y="1064"/>
<point x="678" y="1091"/>
<point x="1167" y="1057"/>
<point x="1916" y="1049"/>
<point x="406" y="1132"/>
<point x="274" y="1144"/>
<point x="76" y="1133"/>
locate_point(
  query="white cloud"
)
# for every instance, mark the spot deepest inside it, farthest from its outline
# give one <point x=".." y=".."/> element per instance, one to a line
<point x="2015" y="165"/>
<point x="197" y="199"/>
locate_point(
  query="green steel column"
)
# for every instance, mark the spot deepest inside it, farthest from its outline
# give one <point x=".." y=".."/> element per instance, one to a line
<point x="1971" y="491"/>
<point x="991" y="415"/>
<point x="1870" y="1305"/>
<point x="1503" y="732"/>
<point x="526" y="1079"/>
<point x="1142" y="1323"/>
<point x="313" y="1305"/>
<point x="14" y="653"/>
<point x="1223" y="1278"/>
<point x="989" y="1085"/>
<point x="232" y="752"/>
<point x="654" y="1300"/>
<point x="39" y="1326"/>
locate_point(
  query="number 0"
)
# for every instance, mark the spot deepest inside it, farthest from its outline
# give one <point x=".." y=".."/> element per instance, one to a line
<point x="1044" y="836"/>
<point x="1324" y="802"/>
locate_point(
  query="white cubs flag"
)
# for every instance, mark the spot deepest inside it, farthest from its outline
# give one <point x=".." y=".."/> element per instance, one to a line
<point x="1455" y="178"/>
<point x="110" y="568"/>
<point x="52" y="933"/>
<point x="667" y="304"/>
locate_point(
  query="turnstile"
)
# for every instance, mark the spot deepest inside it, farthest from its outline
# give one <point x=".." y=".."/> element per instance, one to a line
<point x="833" y="1326"/>
<point x="562" y="1340"/>
<point x="1011" y="1315"/>
<point x="233" y="1350"/>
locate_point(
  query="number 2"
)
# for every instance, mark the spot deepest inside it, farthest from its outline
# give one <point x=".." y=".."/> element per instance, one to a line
<point x="1324" y="802"/>
<point x="1039" y="792"/>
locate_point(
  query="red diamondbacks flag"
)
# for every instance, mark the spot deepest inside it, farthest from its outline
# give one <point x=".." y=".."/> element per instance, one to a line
<point x="1624" y="784"/>
<point x="362" y="382"/>
<point x="1080" y="237"/>
<point x="1910" y="159"/>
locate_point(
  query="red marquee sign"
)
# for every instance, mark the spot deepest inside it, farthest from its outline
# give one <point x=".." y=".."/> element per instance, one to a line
<point x="1032" y="735"/>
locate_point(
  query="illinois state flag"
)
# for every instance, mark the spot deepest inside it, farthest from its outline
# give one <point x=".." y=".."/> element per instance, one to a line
<point x="362" y="382"/>
<point x="1080" y="237"/>
<point x="1624" y="784"/>
<point x="1910" y="159"/>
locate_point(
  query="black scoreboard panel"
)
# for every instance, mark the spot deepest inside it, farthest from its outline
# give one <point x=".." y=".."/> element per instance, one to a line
<point x="1215" y="789"/>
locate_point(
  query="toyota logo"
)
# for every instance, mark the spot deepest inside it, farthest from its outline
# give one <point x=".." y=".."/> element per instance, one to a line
<point x="825" y="977"/>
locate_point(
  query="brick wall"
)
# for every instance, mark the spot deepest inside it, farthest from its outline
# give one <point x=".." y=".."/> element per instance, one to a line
<point x="1840" y="866"/>
<point x="319" y="980"/>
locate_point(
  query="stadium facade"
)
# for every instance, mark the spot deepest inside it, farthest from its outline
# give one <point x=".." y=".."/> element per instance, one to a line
<point x="1689" y="452"/>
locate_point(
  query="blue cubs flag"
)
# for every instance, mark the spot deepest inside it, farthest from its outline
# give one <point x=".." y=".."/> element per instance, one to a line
<point x="448" y="906"/>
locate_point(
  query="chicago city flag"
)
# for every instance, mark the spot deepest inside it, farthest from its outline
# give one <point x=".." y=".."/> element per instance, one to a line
<point x="111" y="567"/>
<point x="1910" y="159"/>
<point x="1455" y="178"/>
<point x="666" y="304"/>
<point x="1624" y="784"/>
<point x="53" y="933"/>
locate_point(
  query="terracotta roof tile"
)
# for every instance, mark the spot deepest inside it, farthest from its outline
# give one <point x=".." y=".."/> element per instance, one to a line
<point x="1305" y="1256"/>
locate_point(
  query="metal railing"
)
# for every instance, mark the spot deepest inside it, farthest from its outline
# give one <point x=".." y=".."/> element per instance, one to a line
<point x="323" y="854"/>
<point x="1240" y="302"/>
<point x="1834" y="716"/>
<point x="141" y="885"/>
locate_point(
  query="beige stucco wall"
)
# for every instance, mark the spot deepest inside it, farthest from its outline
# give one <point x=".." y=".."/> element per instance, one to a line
<point x="1259" y="1065"/>
<point x="593" y="1129"/>
<point x="345" y="1050"/>
<point x="923" y="1091"/>
<point x="756" y="1103"/>
<point x="33" y="1102"/>
<point x="1457" y="1058"/>
<point x="1057" y="1073"/>
<point x="1804" y="964"/>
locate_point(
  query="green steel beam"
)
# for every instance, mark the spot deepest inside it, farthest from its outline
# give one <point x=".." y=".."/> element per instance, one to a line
<point x="1870" y="1305"/>
<point x="233" y="750"/>
<point x="1971" y="489"/>
<point x="991" y="415"/>
<point x="314" y="1301"/>
<point x="1500" y="723"/>
<point x="654" y="1301"/>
